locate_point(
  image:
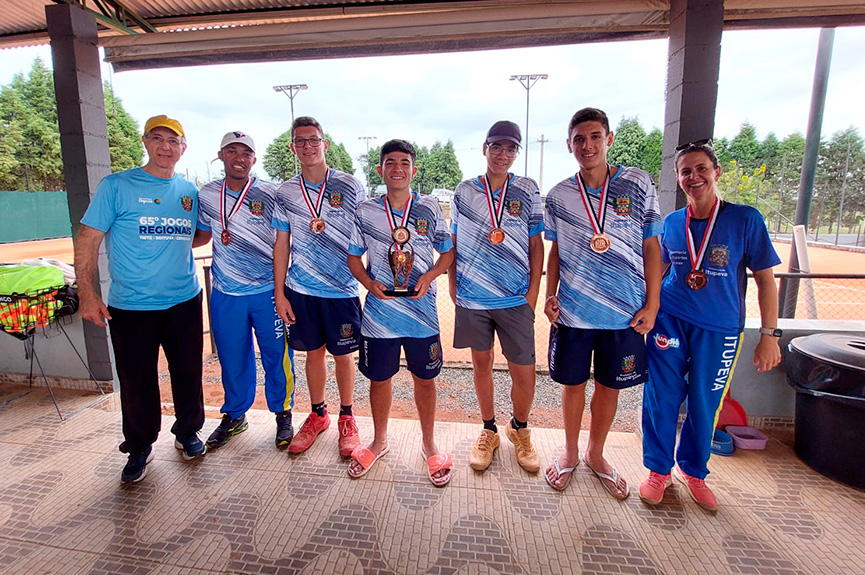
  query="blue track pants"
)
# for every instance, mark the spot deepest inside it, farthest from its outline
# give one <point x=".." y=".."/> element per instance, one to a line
<point x="689" y="363"/>
<point x="232" y="319"/>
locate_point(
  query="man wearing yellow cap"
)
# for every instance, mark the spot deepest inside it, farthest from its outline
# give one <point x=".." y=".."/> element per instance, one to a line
<point x="147" y="217"/>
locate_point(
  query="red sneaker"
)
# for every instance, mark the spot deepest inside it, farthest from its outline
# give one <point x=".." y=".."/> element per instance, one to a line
<point x="307" y="433"/>
<point x="699" y="491"/>
<point x="652" y="489"/>
<point x="349" y="438"/>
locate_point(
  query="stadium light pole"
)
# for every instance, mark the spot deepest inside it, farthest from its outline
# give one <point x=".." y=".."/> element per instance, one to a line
<point x="527" y="81"/>
<point x="291" y="91"/>
<point x="367" y="139"/>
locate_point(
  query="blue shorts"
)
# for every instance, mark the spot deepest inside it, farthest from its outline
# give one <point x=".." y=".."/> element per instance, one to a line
<point x="620" y="356"/>
<point x="334" y="322"/>
<point x="379" y="357"/>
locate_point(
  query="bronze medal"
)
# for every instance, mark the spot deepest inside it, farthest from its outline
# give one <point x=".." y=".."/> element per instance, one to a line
<point x="316" y="225"/>
<point x="600" y="243"/>
<point x="401" y="235"/>
<point x="226" y="237"/>
<point x="496" y="236"/>
<point x="696" y="279"/>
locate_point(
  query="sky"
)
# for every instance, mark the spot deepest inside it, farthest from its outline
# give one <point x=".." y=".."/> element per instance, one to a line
<point x="765" y="78"/>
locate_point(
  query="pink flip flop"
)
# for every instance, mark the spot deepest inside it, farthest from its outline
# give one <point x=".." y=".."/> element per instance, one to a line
<point x="436" y="463"/>
<point x="366" y="458"/>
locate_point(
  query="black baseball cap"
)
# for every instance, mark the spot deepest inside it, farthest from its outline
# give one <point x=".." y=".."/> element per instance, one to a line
<point x="504" y="130"/>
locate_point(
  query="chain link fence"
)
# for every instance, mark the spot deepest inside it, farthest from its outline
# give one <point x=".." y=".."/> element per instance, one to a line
<point x="821" y="296"/>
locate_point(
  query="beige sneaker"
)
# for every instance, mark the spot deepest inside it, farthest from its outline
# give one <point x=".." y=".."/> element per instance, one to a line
<point x="482" y="451"/>
<point x="527" y="457"/>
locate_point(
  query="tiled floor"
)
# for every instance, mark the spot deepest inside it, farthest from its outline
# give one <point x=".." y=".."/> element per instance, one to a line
<point x="249" y="508"/>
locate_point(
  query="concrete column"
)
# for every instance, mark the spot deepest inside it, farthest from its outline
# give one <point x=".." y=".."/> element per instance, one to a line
<point x="692" y="85"/>
<point x="83" y="138"/>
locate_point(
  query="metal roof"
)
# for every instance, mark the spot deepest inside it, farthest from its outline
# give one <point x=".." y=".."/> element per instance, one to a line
<point x="191" y="32"/>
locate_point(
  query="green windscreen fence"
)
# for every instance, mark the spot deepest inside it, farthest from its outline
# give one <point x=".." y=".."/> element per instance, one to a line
<point x="33" y="216"/>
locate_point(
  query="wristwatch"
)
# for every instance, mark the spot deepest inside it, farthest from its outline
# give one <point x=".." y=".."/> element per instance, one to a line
<point x="773" y="331"/>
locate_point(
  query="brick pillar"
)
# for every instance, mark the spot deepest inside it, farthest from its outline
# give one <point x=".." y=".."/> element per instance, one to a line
<point x="83" y="138"/>
<point x="692" y="85"/>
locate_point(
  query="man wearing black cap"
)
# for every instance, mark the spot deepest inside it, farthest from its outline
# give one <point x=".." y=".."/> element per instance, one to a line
<point x="147" y="216"/>
<point x="236" y="212"/>
<point x="496" y="223"/>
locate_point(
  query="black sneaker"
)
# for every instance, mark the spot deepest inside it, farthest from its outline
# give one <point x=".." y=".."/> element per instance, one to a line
<point x="136" y="467"/>
<point x="226" y="429"/>
<point x="284" y="430"/>
<point x="190" y="446"/>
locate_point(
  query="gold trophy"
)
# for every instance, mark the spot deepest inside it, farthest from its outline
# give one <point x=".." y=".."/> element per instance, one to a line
<point x="401" y="259"/>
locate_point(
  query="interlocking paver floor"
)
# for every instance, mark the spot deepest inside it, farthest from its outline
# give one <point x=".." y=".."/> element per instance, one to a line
<point x="248" y="508"/>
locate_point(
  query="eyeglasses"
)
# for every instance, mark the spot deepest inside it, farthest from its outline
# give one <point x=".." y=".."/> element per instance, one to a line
<point x="695" y="144"/>
<point x="312" y="142"/>
<point x="498" y="149"/>
<point x="158" y="140"/>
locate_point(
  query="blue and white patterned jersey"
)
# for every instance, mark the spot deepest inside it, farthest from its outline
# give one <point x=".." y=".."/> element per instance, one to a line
<point x="740" y="240"/>
<point x="494" y="276"/>
<point x="245" y="265"/>
<point x="602" y="291"/>
<point x="400" y="317"/>
<point x="319" y="261"/>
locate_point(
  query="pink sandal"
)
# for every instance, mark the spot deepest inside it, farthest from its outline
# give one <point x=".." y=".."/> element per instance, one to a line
<point x="366" y="459"/>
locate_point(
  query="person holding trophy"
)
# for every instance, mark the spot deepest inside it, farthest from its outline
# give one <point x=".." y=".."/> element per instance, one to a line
<point x="399" y="233"/>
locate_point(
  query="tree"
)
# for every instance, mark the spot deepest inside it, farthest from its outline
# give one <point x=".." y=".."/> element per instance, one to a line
<point x="844" y="150"/>
<point x="279" y="159"/>
<point x="441" y="168"/>
<point x="30" y="157"/>
<point x="653" y="151"/>
<point x="124" y="137"/>
<point x="628" y="144"/>
<point x="745" y="148"/>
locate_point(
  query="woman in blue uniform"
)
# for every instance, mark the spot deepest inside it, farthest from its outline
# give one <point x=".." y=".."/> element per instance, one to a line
<point x="695" y="343"/>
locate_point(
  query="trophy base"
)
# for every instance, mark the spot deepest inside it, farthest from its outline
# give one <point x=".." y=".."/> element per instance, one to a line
<point x="400" y="293"/>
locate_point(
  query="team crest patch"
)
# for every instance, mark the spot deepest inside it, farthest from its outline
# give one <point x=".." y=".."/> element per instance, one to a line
<point x="629" y="363"/>
<point x="346" y="330"/>
<point x="623" y="206"/>
<point x="421" y="227"/>
<point x="185" y="203"/>
<point x="515" y="207"/>
<point x="256" y="207"/>
<point x="434" y="351"/>
<point x="719" y="255"/>
<point x="335" y="199"/>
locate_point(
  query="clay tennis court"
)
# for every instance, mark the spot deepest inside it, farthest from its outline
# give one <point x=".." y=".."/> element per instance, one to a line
<point x="835" y="298"/>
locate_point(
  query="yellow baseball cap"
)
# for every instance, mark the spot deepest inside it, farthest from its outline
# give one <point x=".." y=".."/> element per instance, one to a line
<point x="163" y="121"/>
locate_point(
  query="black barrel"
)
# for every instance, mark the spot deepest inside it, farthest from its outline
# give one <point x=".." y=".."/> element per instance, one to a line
<point x="827" y="370"/>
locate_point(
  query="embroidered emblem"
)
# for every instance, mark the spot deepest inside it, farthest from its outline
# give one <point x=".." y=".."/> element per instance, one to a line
<point x="185" y="203"/>
<point x="346" y="330"/>
<point x="628" y="363"/>
<point x="335" y="199"/>
<point x="434" y="351"/>
<point x="421" y="227"/>
<point x="623" y="206"/>
<point x="515" y="207"/>
<point x="719" y="255"/>
<point x="256" y="207"/>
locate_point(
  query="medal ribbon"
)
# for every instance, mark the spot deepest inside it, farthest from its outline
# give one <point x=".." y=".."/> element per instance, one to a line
<point x="391" y="219"/>
<point x="314" y="210"/>
<point x="695" y="256"/>
<point x="498" y="213"/>
<point x="223" y="217"/>
<point x="596" y="221"/>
